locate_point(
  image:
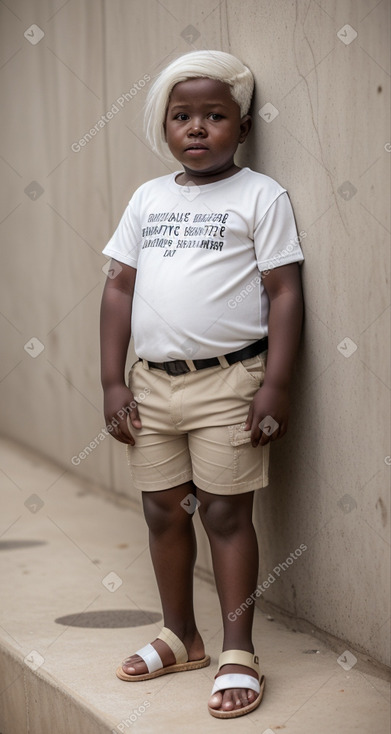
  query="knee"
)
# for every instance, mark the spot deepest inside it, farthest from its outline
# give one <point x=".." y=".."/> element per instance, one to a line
<point x="219" y="518"/>
<point x="162" y="515"/>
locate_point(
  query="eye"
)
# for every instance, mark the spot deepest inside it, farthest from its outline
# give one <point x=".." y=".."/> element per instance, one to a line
<point x="215" y="116"/>
<point x="182" y="116"/>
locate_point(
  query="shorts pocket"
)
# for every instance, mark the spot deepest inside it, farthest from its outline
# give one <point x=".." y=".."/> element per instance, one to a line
<point x="240" y="441"/>
<point x="254" y="368"/>
<point x="237" y="435"/>
<point x="130" y="373"/>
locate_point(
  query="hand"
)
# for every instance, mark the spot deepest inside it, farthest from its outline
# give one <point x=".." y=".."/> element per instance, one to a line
<point x="120" y="409"/>
<point x="268" y="401"/>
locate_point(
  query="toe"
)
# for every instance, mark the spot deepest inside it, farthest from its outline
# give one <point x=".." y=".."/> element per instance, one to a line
<point x="229" y="700"/>
<point x="134" y="665"/>
<point x="251" y="695"/>
<point x="215" y="701"/>
<point x="236" y="698"/>
<point x="241" y="699"/>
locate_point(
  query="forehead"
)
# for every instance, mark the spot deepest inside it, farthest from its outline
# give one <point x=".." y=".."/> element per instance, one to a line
<point x="201" y="90"/>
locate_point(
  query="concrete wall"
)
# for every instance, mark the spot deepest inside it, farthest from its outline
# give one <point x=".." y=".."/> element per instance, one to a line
<point x="327" y="144"/>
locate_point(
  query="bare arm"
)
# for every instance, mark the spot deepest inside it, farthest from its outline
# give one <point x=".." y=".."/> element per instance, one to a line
<point x="283" y="287"/>
<point x="115" y="332"/>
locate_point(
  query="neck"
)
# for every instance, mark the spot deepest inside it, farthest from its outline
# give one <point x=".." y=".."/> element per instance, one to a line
<point x="205" y="177"/>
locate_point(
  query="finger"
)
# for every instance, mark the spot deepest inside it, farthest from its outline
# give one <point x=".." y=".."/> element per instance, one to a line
<point x="255" y="433"/>
<point x="124" y="424"/>
<point x="270" y="429"/>
<point x="125" y="438"/>
<point x="283" y="430"/>
<point x="249" y="418"/>
<point x="122" y="434"/>
<point x="279" y="432"/>
<point x="129" y="424"/>
<point x="264" y="440"/>
<point x="126" y="432"/>
<point x="267" y="437"/>
<point x="135" y="418"/>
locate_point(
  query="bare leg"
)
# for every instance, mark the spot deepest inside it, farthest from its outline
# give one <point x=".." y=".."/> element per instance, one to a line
<point x="228" y="523"/>
<point x="173" y="551"/>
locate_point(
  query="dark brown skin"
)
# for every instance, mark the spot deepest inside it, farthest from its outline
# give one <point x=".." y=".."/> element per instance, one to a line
<point x="116" y="311"/>
<point x="201" y="111"/>
<point x="283" y="287"/>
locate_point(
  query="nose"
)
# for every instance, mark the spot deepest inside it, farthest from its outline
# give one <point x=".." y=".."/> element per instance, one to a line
<point x="196" y="128"/>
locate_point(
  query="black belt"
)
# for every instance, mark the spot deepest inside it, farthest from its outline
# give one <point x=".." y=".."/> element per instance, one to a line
<point x="179" y="366"/>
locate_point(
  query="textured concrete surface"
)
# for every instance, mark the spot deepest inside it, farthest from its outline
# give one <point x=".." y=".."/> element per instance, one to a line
<point x="78" y="595"/>
<point x="324" y="67"/>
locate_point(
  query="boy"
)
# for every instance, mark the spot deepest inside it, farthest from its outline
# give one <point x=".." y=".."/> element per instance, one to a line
<point x="216" y="344"/>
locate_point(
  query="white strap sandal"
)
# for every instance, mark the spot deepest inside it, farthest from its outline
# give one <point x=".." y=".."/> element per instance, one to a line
<point x="154" y="662"/>
<point x="238" y="680"/>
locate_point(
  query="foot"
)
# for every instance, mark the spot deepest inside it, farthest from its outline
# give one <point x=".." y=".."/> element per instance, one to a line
<point x="134" y="665"/>
<point x="233" y="698"/>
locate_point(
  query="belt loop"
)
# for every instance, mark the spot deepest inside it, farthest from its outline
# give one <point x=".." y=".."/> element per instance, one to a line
<point x="223" y="362"/>
<point x="145" y="364"/>
<point x="191" y="365"/>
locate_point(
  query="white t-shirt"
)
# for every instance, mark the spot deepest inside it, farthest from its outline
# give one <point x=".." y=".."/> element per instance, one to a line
<point x="199" y="251"/>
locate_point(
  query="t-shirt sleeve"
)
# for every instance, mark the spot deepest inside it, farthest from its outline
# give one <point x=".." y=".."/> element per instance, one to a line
<point x="276" y="240"/>
<point x="124" y="243"/>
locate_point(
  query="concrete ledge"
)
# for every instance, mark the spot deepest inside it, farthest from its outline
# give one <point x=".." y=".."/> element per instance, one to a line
<point x="78" y="595"/>
<point x="35" y="701"/>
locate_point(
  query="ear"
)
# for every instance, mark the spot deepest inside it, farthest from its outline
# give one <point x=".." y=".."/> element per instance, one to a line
<point x="245" y="127"/>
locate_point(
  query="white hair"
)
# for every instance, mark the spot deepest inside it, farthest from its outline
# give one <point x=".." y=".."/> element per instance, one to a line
<point x="206" y="64"/>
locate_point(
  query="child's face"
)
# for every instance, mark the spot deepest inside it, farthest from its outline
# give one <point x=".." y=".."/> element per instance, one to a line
<point x="203" y="127"/>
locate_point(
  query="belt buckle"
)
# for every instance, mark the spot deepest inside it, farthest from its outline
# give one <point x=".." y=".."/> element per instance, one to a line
<point x="178" y="367"/>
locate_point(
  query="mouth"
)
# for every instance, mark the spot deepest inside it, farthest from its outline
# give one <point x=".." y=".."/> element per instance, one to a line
<point x="196" y="147"/>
